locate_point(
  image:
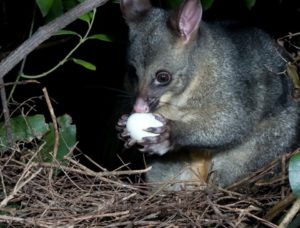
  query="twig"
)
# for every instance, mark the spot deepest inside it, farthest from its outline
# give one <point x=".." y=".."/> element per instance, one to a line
<point x="218" y="212"/>
<point x="147" y="224"/>
<point x="17" y="188"/>
<point x="261" y="172"/>
<point x="22" y="66"/>
<point x="56" y="134"/>
<point x="94" y="163"/>
<point x="255" y="176"/>
<point x="92" y="173"/>
<point x="291" y="214"/>
<point x="86" y="169"/>
<point x="290" y="35"/>
<point x="115" y="214"/>
<point x="27" y="221"/>
<point x="29" y="103"/>
<point x="265" y="222"/>
<point x="10" y="218"/>
<point x="45" y="32"/>
<point x="163" y="186"/>
<point x="284" y="174"/>
<point x="273" y="181"/>
<point x="19" y="185"/>
<point x="106" y="173"/>
<point x="246" y="212"/>
<point x="279" y="207"/>
<point x="100" y="175"/>
<point x="9" y="134"/>
<point x="19" y="83"/>
<point x="3" y="184"/>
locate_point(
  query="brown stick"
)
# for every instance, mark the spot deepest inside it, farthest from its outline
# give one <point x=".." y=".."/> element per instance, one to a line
<point x="92" y="173"/>
<point x="9" y="133"/>
<point x="291" y="214"/>
<point x="18" y="83"/>
<point x="56" y="134"/>
<point x="279" y="207"/>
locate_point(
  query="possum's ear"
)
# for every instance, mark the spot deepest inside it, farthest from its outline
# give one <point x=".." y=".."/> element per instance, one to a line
<point x="186" y="19"/>
<point x="133" y="10"/>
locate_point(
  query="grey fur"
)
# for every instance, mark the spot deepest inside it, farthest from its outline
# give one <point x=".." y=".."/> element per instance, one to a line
<point x="228" y="94"/>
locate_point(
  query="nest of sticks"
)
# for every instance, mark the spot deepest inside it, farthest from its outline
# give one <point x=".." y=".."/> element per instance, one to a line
<point x="35" y="194"/>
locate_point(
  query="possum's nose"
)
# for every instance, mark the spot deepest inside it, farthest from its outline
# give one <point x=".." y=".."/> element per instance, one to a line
<point x="141" y="105"/>
<point x="145" y="104"/>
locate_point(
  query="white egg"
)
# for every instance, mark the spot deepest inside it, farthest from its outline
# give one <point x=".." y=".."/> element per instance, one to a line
<point x="138" y="122"/>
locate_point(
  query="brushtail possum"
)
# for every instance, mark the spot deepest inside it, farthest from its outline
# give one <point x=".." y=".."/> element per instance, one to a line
<point x="219" y="89"/>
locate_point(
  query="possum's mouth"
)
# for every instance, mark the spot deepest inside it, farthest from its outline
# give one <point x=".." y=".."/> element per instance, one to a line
<point x="153" y="103"/>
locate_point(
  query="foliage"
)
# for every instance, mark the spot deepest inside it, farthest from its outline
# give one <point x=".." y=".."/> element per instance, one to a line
<point x="205" y="3"/>
<point x="26" y="129"/>
<point x="54" y="8"/>
<point x="208" y="3"/>
<point x="89" y="20"/>
<point x="249" y="3"/>
<point x="67" y="139"/>
<point x="44" y="6"/>
<point x="84" y="63"/>
<point x="51" y="9"/>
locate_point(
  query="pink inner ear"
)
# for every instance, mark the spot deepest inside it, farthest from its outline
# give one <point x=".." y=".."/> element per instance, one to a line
<point x="189" y="18"/>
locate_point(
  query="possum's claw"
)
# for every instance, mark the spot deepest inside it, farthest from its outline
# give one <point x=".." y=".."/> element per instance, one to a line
<point x="123" y="132"/>
<point x="158" y="144"/>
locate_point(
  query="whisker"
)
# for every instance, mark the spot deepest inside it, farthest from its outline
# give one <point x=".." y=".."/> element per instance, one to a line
<point x="113" y="89"/>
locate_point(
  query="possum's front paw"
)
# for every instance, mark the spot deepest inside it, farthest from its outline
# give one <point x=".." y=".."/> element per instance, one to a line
<point x="124" y="134"/>
<point x="160" y="143"/>
<point x="151" y="131"/>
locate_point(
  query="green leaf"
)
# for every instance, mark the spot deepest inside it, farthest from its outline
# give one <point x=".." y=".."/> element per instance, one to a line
<point x="25" y="129"/>
<point x="67" y="139"/>
<point x="67" y="136"/>
<point x="294" y="174"/>
<point x="69" y="4"/>
<point x="207" y="4"/>
<point x="102" y="37"/>
<point x="173" y="3"/>
<point x="44" y="6"/>
<point x="249" y="3"/>
<point x="85" y="64"/>
<point x="55" y="11"/>
<point x="66" y="32"/>
<point x="87" y="17"/>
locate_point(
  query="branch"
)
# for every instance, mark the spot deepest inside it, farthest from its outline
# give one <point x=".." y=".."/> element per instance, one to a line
<point x="280" y="207"/>
<point x="45" y="32"/>
<point x="291" y="214"/>
<point x="55" y="127"/>
<point x="9" y="134"/>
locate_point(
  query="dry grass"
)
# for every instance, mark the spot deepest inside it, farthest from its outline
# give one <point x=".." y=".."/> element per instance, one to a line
<point x="80" y="197"/>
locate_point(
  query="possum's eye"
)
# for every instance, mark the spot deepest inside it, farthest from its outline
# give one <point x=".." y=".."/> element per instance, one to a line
<point x="162" y="77"/>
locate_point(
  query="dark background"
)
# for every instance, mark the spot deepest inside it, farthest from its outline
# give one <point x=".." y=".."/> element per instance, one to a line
<point x="96" y="99"/>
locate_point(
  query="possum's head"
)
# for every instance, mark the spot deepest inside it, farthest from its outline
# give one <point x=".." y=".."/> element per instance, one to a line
<point x="160" y="47"/>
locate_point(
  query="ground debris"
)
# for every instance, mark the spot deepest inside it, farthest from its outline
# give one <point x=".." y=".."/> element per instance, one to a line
<point x="77" y="197"/>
